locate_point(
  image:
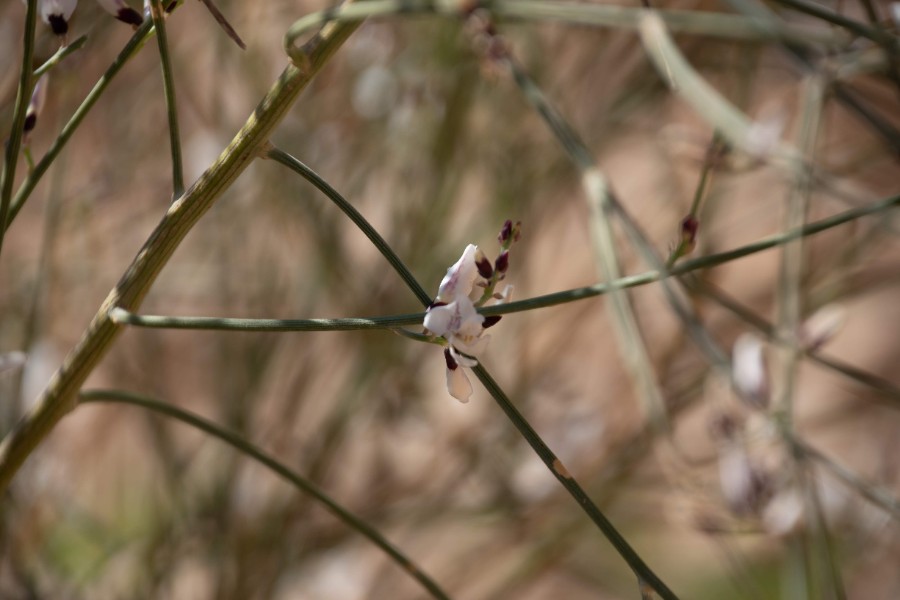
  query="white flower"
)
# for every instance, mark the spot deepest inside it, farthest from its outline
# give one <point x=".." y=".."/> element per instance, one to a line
<point x="122" y="11"/>
<point x="748" y="370"/>
<point x="56" y="14"/>
<point x="460" y="278"/>
<point x="453" y="317"/>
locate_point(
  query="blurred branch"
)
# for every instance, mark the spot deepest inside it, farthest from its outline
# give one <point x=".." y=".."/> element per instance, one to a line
<point x="254" y="452"/>
<point x="17" y="129"/>
<point x="683" y="21"/>
<point x="625" y="325"/>
<point x="820" y="12"/>
<point x="60" y="54"/>
<point x="863" y="377"/>
<point x="643" y="572"/>
<point x="141" y="35"/>
<point x="842" y="92"/>
<point x="358" y="219"/>
<point x="158" y="16"/>
<point x="60" y="396"/>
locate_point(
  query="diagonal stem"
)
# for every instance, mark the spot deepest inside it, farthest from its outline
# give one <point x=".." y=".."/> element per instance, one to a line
<point x="254" y="452"/>
<point x="60" y="396"/>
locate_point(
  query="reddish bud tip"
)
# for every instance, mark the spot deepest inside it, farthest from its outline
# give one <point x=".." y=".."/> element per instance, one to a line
<point x="484" y="265"/>
<point x="451" y="363"/>
<point x="130" y="16"/>
<point x="491" y="321"/>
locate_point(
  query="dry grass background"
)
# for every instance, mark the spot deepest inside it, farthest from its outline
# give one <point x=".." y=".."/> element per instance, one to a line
<point x="436" y="148"/>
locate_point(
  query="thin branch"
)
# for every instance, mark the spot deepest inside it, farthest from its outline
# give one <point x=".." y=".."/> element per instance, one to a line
<point x="574" y="13"/>
<point x="254" y="452"/>
<point x="643" y="572"/>
<point x="61" y="394"/>
<point x="141" y="35"/>
<point x="358" y="219"/>
<point x="60" y="54"/>
<point x="17" y="130"/>
<point x="123" y="317"/>
<point x="158" y="16"/>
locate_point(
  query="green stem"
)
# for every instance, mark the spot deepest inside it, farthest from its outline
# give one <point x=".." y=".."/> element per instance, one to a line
<point x="62" y="53"/>
<point x="358" y="219"/>
<point x="301" y="483"/>
<point x="141" y="35"/>
<point x="17" y="131"/>
<point x="123" y="317"/>
<point x="644" y="573"/>
<point x="61" y="394"/>
<point x="159" y="23"/>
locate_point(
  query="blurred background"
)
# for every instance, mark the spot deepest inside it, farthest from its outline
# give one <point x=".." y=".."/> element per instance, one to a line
<point x="436" y="146"/>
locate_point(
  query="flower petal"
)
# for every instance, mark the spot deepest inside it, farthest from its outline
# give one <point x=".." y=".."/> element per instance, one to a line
<point x="460" y="278"/>
<point x="438" y="318"/>
<point x="458" y="384"/>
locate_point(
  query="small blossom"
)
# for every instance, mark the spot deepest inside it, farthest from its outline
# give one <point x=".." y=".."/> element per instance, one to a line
<point x="122" y="11"/>
<point x="56" y="14"/>
<point x="454" y="317"/>
<point x="817" y="330"/>
<point x="749" y="370"/>
<point x="745" y="486"/>
<point x="36" y="104"/>
<point x="460" y="278"/>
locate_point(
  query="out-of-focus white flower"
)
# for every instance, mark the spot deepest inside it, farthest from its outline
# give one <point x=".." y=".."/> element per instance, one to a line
<point x="744" y="484"/>
<point x="748" y="370"/>
<point x="56" y="14"/>
<point x="36" y="104"/>
<point x="823" y="325"/>
<point x="10" y="361"/>
<point x="785" y="513"/>
<point x="121" y="11"/>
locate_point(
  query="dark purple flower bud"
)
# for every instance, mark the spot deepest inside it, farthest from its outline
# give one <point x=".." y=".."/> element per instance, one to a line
<point x="491" y="321"/>
<point x="502" y="262"/>
<point x="451" y="362"/>
<point x="689" y="227"/>
<point x="505" y="232"/>
<point x="484" y="265"/>
<point x="36" y="104"/>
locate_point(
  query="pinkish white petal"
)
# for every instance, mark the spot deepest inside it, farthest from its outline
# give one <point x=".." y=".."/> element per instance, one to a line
<point x="438" y="318"/>
<point x="460" y="278"/>
<point x="121" y="11"/>
<point x="749" y="370"/>
<point x="458" y="384"/>
<point x="56" y="14"/>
